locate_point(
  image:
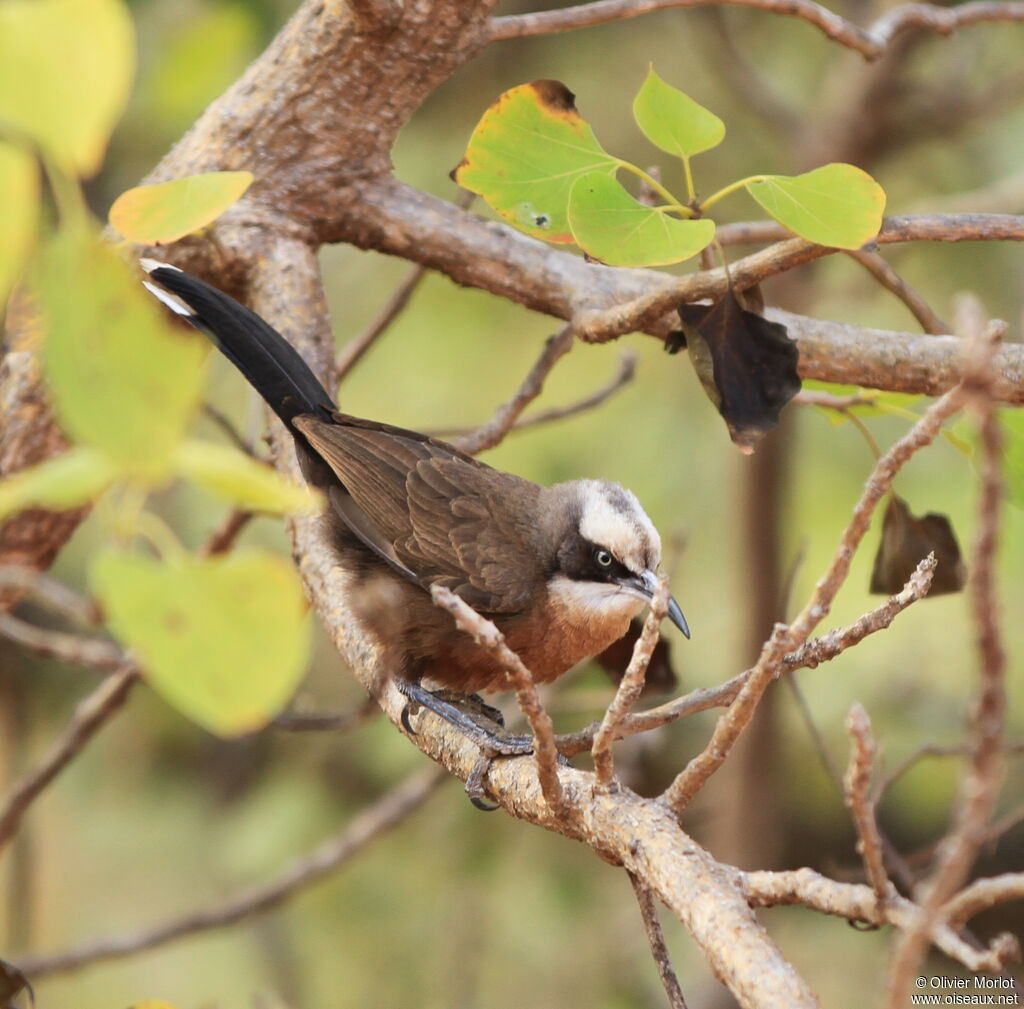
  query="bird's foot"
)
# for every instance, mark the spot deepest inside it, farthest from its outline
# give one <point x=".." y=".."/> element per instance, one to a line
<point x="476" y="720"/>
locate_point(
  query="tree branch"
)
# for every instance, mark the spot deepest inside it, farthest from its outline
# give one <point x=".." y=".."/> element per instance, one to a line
<point x="870" y="42"/>
<point x="630" y="687"/>
<point x="485" y="634"/>
<point x="811" y="654"/>
<point x="386" y="813"/>
<point x="857" y="902"/>
<point x="89" y="717"/>
<point x="784" y="639"/>
<point x="649" y="913"/>
<point x="979" y="790"/>
<point x="493" y="432"/>
<point x="857" y="786"/>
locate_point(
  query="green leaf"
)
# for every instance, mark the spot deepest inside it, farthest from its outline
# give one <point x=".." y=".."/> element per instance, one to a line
<point x="66" y="481"/>
<point x="836" y="205"/>
<point x="525" y="154"/>
<point x="673" y="121"/>
<point x="121" y="378"/>
<point x="167" y="211"/>
<point x="613" y="227"/>
<point x="231" y="474"/>
<point x="19" y="194"/>
<point x="222" y="639"/>
<point x="66" y="68"/>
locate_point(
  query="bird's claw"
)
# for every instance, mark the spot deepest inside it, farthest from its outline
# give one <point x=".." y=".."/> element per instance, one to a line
<point x="467" y="715"/>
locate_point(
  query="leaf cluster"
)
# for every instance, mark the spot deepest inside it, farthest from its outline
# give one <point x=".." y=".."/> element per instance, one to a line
<point x="224" y="639"/>
<point x="538" y="163"/>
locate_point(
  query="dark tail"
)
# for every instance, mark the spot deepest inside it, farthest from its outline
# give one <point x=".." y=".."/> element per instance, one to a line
<point x="271" y="364"/>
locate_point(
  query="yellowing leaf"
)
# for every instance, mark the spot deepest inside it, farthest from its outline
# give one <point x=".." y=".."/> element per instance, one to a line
<point x="836" y="205"/>
<point x="152" y="1003"/>
<point x="222" y="639"/>
<point x="611" y="226"/>
<point x="66" y="481"/>
<point x="66" y="68"/>
<point x="19" y="194"/>
<point x="673" y="121"/>
<point x="167" y="211"/>
<point x="233" y="475"/>
<point x="525" y="154"/>
<point x="121" y="378"/>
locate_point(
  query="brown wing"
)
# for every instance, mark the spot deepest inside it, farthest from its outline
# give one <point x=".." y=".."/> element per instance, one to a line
<point x="432" y="512"/>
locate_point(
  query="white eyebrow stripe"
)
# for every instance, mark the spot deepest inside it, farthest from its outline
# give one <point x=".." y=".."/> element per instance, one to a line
<point x="612" y="517"/>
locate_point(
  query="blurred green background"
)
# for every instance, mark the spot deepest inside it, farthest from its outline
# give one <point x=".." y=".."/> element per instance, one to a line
<point x="458" y="909"/>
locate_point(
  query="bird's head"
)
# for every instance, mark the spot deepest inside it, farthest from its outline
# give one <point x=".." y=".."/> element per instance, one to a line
<point x="607" y="550"/>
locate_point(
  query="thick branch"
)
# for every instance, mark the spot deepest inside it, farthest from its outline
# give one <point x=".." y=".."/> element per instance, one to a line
<point x="391" y="217"/>
<point x="638" y="833"/>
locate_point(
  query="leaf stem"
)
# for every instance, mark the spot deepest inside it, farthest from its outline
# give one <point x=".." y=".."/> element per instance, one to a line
<point x="160" y="535"/>
<point x="866" y="432"/>
<point x="730" y="189"/>
<point x="67" y="194"/>
<point x="690" y="189"/>
<point x="671" y="201"/>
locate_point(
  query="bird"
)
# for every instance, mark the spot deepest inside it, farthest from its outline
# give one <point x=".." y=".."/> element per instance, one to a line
<point x="560" y="570"/>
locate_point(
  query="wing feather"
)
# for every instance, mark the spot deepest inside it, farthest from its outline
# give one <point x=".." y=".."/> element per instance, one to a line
<point x="431" y="511"/>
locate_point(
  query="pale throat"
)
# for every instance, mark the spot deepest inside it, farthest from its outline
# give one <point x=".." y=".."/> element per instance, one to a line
<point x="599" y="607"/>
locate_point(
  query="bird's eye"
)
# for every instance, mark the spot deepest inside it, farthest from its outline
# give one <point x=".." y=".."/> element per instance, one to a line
<point x="603" y="558"/>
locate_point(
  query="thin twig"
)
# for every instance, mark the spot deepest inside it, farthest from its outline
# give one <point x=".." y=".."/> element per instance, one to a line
<point x="385" y="813"/>
<point x="857" y="902"/>
<point x="649" y="913"/>
<point x="493" y="431"/>
<point x="983" y="894"/>
<point x="89" y="716"/>
<point x="931" y="750"/>
<point x="978" y="792"/>
<point x="785" y="639"/>
<point x="602" y="325"/>
<point x="488" y="636"/>
<point x="53" y="594"/>
<point x="74" y="649"/>
<point x="353" y="351"/>
<point x="630" y="687"/>
<point x="625" y="372"/>
<point x="870" y="42"/>
<point x="812" y="654"/>
<point x="293" y="721"/>
<point x="826" y="400"/>
<point x="892" y="281"/>
<point x="857" y="786"/>
<point x="817" y="737"/>
<point x="222" y="539"/>
<point x="227" y="426"/>
<point x="732" y="61"/>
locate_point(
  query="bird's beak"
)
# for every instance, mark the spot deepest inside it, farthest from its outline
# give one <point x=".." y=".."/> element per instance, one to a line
<point x="645" y="585"/>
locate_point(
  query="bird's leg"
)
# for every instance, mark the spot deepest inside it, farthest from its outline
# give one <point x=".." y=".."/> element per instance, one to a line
<point x="467" y="713"/>
<point x="468" y="718"/>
